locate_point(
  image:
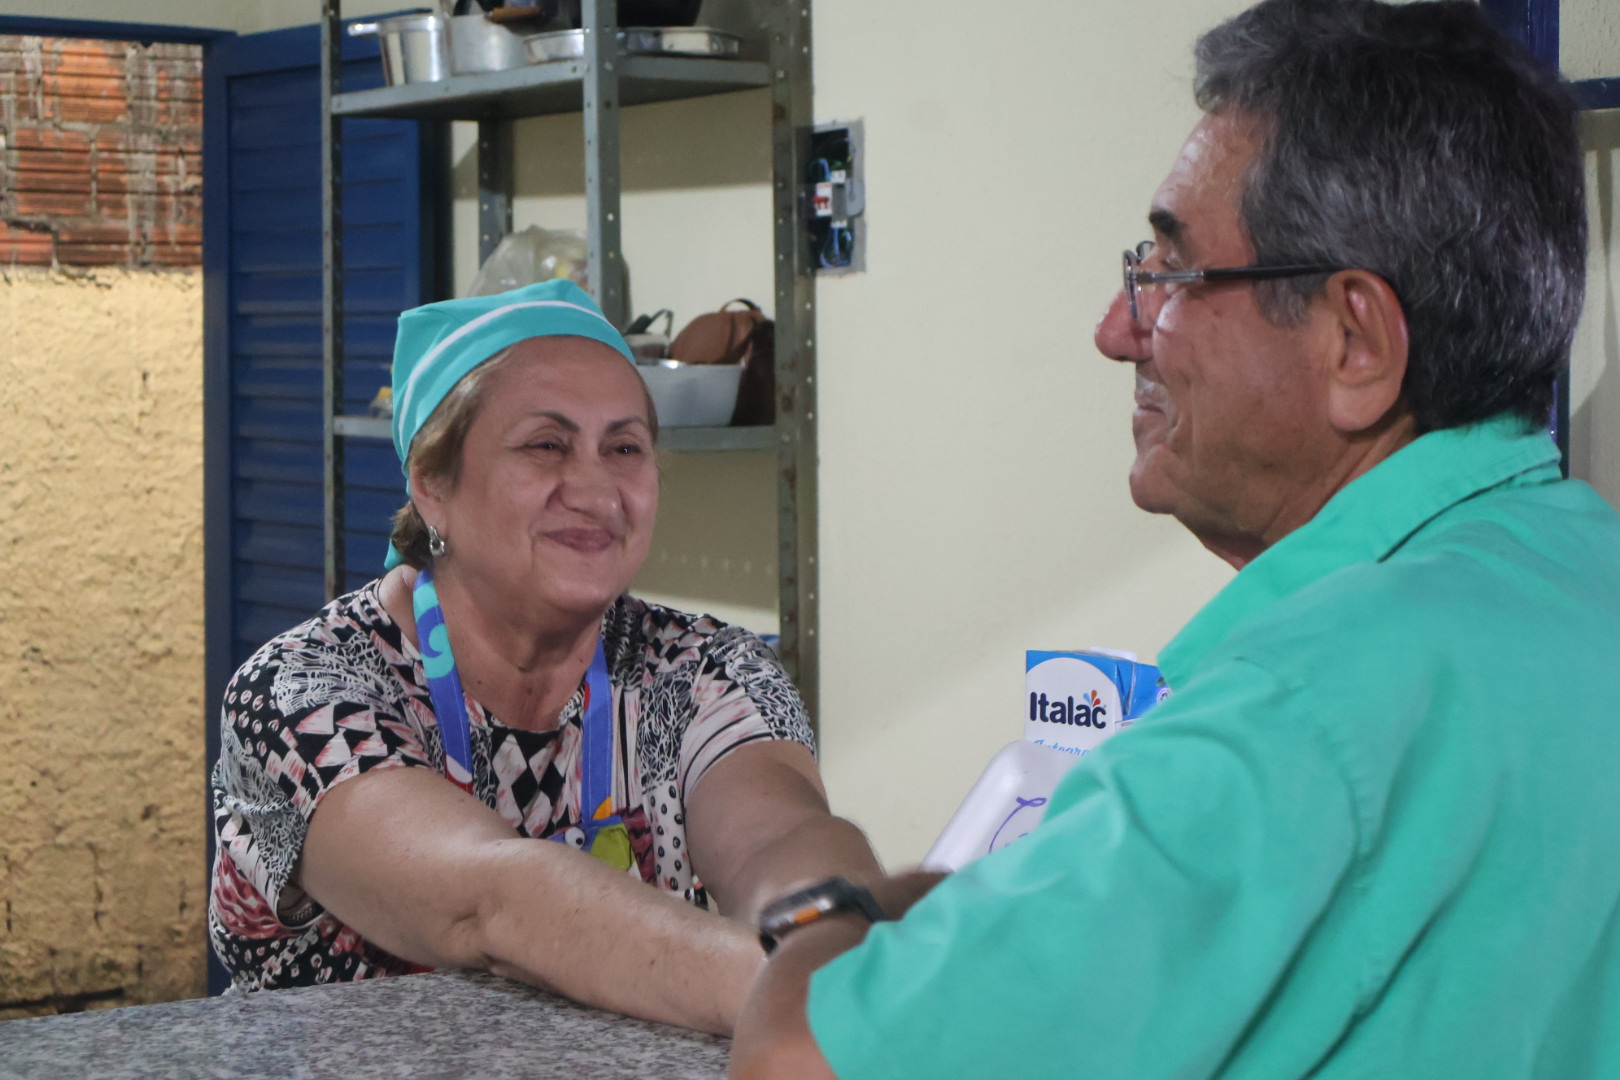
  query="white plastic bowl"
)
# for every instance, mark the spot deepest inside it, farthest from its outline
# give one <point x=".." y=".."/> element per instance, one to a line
<point x="692" y="395"/>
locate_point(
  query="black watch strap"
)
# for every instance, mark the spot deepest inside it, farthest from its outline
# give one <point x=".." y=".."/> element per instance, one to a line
<point x="797" y="909"/>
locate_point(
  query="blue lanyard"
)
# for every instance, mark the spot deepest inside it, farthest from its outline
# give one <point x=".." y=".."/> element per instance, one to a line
<point x="450" y="706"/>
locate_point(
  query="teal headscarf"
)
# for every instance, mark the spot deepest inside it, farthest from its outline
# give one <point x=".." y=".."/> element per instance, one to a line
<point x="440" y="343"/>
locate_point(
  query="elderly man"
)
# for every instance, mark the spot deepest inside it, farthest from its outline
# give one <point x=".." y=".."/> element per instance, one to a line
<point x="1373" y="833"/>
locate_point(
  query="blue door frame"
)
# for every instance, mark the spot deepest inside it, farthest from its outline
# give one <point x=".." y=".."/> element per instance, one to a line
<point x="262" y="330"/>
<point x="1536" y="24"/>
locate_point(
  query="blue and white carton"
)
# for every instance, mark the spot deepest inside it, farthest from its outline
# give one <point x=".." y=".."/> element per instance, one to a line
<point x="1074" y="700"/>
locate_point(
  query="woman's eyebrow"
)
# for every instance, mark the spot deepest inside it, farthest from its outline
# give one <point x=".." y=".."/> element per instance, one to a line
<point x="620" y="425"/>
<point x="564" y="422"/>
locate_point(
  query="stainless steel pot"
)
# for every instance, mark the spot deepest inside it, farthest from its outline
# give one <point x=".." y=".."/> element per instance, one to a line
<point x="415" y="48"/>
<point x="478" y="45"/>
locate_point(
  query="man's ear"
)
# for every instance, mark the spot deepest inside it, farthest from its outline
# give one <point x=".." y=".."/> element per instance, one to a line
<point x="1370" y="368"/>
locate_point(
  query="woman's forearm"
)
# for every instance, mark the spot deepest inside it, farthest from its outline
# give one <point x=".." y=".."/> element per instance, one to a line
<point x="603" y="938"/>
<point x="759" y="827"/>
<point x="816" y="848"/>
<point x="419" y="869"/>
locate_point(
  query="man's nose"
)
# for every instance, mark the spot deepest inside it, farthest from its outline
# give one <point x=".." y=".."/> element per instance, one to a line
<point x="1118" y="336"/>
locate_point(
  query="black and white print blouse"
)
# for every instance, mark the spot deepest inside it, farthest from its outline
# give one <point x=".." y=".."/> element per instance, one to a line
<point x="345" y="693"/>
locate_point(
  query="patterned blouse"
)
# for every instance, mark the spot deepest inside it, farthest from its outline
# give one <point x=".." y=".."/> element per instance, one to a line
<point x="345" y="693"/>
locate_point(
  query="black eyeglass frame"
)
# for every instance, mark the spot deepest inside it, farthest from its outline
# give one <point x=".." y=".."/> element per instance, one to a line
<point x="1136" y="277"/>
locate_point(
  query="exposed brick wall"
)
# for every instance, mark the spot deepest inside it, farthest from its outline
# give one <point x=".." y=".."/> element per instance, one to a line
<point x="102" y="160"/>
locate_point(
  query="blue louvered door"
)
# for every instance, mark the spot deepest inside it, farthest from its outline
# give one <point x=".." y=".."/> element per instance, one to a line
<point x="262" y="267"/>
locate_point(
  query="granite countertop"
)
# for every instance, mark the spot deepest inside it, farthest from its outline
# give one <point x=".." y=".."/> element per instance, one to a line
<point x="444" y="1025"/>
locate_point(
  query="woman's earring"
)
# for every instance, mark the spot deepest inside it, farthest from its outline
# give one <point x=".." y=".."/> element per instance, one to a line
<point x="435" y="543"/>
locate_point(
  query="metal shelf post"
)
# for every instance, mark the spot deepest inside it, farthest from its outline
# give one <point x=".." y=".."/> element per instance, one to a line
<point x="602" y="190"/>
<point x="331" y="294"/>
<point x="796" y="452"/>
<point x="494" y="184"/>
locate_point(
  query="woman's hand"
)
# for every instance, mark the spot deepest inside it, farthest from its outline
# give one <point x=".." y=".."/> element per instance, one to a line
<point x="422" y="869"/>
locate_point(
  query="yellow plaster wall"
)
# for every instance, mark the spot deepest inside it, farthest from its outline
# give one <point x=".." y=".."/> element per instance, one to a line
<point x="101" y="640"/>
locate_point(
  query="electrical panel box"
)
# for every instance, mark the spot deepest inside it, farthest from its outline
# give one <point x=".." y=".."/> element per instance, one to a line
<point x="837" y="190"/>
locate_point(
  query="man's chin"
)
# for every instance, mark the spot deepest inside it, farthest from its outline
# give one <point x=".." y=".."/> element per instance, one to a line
<point x="1148" y="492"/>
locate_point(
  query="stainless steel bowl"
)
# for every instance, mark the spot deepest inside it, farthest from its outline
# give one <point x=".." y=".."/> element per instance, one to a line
<point x="637" y="41"/>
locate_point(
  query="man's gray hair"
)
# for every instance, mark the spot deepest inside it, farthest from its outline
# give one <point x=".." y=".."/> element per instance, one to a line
<point x="1416" y="142"/>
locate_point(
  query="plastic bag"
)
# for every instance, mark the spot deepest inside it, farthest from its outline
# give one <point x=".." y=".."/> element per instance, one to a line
<point x="530" y="255"/>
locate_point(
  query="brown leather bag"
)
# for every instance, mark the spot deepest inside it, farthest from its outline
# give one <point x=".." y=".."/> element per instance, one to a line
<point x="745" y="337"/>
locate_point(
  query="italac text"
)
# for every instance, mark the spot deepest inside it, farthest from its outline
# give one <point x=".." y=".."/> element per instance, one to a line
<point x="1087" y="712"/>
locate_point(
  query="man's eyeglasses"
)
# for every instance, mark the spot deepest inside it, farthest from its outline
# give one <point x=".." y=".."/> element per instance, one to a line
<point x="1136" y="278"/>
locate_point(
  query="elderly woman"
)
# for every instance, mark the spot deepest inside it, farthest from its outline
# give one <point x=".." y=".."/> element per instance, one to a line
<point x="390" y="769"/>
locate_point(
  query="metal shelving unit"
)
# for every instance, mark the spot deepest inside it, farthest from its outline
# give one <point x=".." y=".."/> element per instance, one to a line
<point x="558" y="87"/>
<point x="598" y="86"/>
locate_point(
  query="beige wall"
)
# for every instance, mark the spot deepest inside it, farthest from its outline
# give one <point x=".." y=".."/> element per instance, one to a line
<point x="1595" y="377"/>
<point x="1591" y="49"/>
<point x="101" y="631"/>
<point x="1589" y="39"/>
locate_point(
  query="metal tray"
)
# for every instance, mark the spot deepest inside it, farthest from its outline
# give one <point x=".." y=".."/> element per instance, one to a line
<point x="637" y="41"/>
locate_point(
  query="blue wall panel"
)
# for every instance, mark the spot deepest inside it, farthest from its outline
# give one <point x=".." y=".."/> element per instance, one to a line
<point x="274" y="272"/>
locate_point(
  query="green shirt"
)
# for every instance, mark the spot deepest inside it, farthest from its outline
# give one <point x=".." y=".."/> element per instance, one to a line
<point x="1375" y="833"/>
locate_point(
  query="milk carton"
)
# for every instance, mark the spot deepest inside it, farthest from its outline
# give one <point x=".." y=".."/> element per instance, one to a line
<point x="1074" y="701"/>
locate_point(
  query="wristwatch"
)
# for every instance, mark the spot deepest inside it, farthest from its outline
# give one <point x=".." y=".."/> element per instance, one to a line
<point x="804" y="907"/>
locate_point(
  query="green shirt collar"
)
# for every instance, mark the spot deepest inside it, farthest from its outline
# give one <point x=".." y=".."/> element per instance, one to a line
<point x="1367" y="520"/>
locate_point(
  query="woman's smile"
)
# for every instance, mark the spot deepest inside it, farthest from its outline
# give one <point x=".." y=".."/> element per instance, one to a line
<point x="584" y="539"/>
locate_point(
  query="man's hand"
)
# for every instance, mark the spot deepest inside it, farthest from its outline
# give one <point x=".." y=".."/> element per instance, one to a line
<point x="896" y="894"/>
<point x="773" y="1040"/>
